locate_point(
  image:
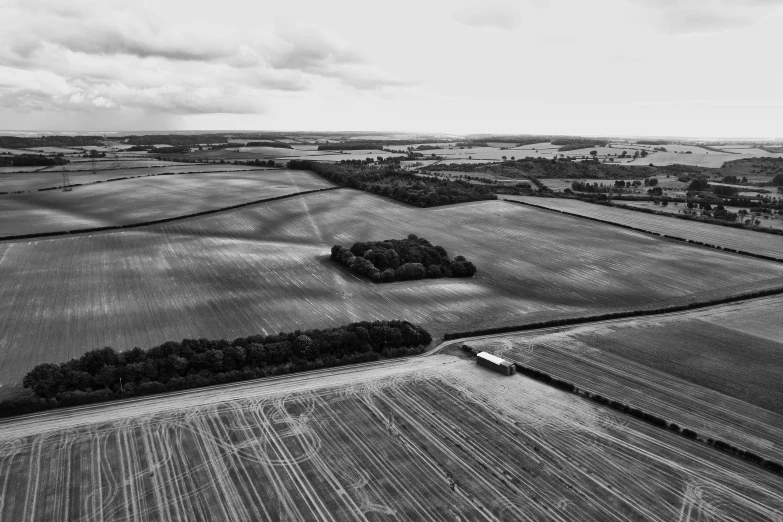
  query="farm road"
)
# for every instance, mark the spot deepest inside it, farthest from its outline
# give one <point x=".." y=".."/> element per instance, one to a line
<point x="68" y="418"/>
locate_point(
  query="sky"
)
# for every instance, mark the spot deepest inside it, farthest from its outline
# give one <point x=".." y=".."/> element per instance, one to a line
<point x="695" y="68"/>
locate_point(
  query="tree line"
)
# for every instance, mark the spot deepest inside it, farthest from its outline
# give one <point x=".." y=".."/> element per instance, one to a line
<point x="421" y="191"/>
<point x="401" y="260"/>
<point x="31" y="160"/>
<point x="352" y="145"/>
<point x="105" y="374"/>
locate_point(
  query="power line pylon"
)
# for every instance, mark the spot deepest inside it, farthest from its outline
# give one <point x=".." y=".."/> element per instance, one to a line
<point x="66" y="182"/>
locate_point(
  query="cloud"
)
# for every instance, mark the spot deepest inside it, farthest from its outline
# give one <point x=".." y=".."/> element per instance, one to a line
<point x="711" y="16"/>
<point x="498" y="14"/>
<point x="111" y="55"/>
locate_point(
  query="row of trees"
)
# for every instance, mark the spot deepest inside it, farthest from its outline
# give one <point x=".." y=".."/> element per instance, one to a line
<point x="401" y="260"/>
<point x="106" y="373"/>
<point x="422" y="191"/>
<point x="352" y="145"/>
<point x="31" y="160"/>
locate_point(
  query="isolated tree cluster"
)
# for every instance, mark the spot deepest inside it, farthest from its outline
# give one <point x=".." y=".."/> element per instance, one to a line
<point x="105" y="373"/>
<point x="401" y="260"/>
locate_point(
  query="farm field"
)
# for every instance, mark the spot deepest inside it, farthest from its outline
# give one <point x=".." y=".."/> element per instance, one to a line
<point x="775" y="222"/>
<point x="84" y="164"/>
<point x="9" y="170"/>
<point x="146" y="199"/>
<point x="6" y="151"/>
<point x="265" y="269"/>
<point x="706" y="369"/>
<point x="558" y="184"/>
<point x="52" y="150"/>
<point x="371" y="445"/>
<point x="328" y="155"/>
<point x="34" y="181"/>
<point x="738" y="239"/>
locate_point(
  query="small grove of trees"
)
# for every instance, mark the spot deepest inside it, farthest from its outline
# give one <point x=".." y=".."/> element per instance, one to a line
<point x="105" y="373"/>
<point x="778" y="180"/>
<point x="698" y="185"/>
<point x="401" y="260"/>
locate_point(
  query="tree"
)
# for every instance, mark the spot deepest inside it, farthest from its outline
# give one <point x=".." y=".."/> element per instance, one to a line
<point x="45" y="380"/>
<point x="593" y="153"/>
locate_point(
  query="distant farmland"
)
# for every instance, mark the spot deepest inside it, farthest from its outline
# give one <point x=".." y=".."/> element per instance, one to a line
<point x="145" y="199"/>
<point x="34" y="181"/>
<point x="265" y="269"/>
<point x="738" y="239"/>
<point x="456" y="443"/>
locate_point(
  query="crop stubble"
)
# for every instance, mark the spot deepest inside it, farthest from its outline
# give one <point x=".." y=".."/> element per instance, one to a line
<point x="724" y="384"/>
<point x="374" y="449"/>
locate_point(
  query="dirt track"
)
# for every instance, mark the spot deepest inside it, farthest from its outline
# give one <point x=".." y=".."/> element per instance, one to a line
<point x="428" y="438"/>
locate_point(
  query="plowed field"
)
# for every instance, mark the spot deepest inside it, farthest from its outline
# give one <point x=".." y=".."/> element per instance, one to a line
<point x="373" y="448"/>
<point x="265" y="269"/>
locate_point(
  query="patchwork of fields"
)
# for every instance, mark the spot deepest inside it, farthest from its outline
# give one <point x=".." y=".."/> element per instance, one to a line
<point x="449" y="441"/>
<point x="738" y="239"/>
<point x="34" y="181"/>
<point x="265" y="269"/>
<point x="706" y="370"/>
<point x="146" y="199"/>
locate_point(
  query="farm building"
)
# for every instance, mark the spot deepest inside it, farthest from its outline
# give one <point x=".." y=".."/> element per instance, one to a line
<point x="496" y="363"/>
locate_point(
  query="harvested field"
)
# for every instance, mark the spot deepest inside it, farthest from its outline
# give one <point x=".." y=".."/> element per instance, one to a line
<point x="706" y="370"/>
<point x="34" y="181"/>
<point x="376" y="446"/>
<point x="738" y="239"/>
<point x="265" y="269"/>
<point x="146" y="199"/>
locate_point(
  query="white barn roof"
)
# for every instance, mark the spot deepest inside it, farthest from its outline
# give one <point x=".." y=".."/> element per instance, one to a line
<point x="492" y="358"/>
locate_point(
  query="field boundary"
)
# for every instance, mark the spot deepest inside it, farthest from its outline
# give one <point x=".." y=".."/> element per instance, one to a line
<point x="617" y="203"/>
<point x="659" y="422"/>
<point x="44" y="235"/>
<point x="614" y="315"/>
<point x="650" y="232"/>
<point x="260" y="169"/>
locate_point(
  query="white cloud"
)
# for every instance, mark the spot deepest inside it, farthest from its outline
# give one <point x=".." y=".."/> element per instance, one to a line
<point x="711" y="16"/>
<point x="114" y="55"/>
<point x="498" y="14"/>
